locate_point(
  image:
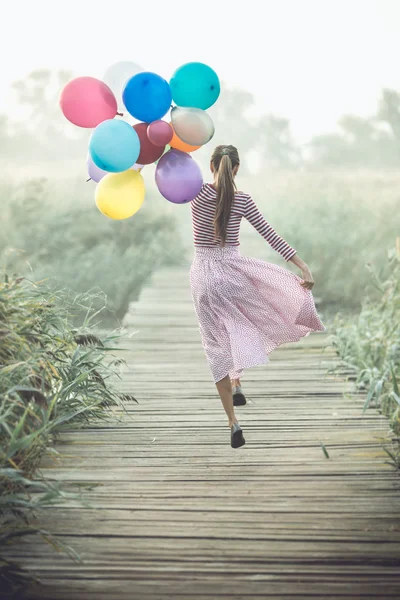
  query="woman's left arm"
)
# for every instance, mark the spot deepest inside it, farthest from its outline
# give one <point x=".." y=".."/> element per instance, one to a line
<point x="308" y="281"/>
<point x="254" y="216"/>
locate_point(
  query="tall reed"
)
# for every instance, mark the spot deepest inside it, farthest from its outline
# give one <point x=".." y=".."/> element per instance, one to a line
<point x="52" y="376"/>
<point x="368" y="346"/>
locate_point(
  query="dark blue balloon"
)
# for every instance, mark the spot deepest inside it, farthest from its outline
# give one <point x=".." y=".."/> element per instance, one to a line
<point x="147" y="96"/>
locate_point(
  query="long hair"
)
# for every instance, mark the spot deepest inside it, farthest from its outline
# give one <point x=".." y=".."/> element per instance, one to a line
<point x="224" y="159"/>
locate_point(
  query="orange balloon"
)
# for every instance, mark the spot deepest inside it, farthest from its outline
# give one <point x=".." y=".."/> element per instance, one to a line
<point x="178" y="144"/>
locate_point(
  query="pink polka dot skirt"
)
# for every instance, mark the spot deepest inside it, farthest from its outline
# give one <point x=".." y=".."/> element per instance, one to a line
<point x="246" y="308"/>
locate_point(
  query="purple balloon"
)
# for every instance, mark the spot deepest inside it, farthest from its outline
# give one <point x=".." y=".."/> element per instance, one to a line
<point x="95" y="173"/>
<point x="178" y="177"/>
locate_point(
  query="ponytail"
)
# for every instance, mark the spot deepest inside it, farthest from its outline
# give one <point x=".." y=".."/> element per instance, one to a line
<point x="226" y="188"/>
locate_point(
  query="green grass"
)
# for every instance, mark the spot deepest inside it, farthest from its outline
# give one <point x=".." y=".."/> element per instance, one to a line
<point x="368" y="346"/>
<point x="72" y="244"/>
<point x="52" y="376"/>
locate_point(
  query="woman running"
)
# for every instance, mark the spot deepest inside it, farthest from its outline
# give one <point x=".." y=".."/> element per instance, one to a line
<point x="245" y="307"/>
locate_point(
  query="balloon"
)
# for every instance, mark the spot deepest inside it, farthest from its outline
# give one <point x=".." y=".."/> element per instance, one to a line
<point x="116" y="77"/>
<point x="178" y="177"/>
<point x="149" y="153"/>
<point x="87" y="101"/>
<point x="193" y="125"/>
<point x="95" y="173"/>
<point x="147" y="96"/>
<point x="114" y="146"/>
<point x="160" y="133"/>
<point x="120" y="195"/>
<point x="195" y="84"/>
<point x="178" y="144"/>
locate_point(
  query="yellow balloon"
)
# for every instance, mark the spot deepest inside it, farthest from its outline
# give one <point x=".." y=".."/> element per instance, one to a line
<point x="120" y="195"/>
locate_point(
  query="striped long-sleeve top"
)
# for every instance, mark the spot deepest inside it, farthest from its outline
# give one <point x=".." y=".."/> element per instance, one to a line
<point x="203" y="212"/>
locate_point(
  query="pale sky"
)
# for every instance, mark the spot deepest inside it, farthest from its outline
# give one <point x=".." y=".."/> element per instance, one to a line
<point x="308" y="60"/>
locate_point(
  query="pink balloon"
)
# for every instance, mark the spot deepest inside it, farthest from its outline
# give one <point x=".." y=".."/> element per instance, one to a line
<point x="87" y="101"/>
<point x="160" y="133"/>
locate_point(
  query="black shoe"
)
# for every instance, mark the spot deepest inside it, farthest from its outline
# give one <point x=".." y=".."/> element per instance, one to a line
<point x="239" y="399"/>
<point x="237" y="438"/>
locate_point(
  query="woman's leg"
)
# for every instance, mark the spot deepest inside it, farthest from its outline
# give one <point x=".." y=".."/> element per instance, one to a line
<point x="235" y="382"/>
<point x="224" y="388"/>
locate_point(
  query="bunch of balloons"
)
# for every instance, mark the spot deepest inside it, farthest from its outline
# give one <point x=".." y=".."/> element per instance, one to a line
<point x="118" y="151"/>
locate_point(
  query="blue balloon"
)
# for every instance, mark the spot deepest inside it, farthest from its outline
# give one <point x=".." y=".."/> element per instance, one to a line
<point x="114" y="146"/>
<point x="147" y="97"/>
<point x="195" y="84"/>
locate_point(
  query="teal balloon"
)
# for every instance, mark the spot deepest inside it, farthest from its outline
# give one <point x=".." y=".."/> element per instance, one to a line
<point x="114" y="146"/>
<point x="195" y="84"/>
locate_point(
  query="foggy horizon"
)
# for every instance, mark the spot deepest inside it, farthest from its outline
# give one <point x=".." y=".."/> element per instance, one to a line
<point x="309" y="63"/>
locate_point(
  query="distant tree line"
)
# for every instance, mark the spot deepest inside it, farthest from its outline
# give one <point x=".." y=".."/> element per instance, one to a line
<point x="43" y="133"/>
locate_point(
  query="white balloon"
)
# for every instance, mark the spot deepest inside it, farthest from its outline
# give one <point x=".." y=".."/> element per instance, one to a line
<point x="192" y="125"/>
<point x="116" y="77"/>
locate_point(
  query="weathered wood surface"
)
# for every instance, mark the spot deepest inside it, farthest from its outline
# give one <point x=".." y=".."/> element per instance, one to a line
<point x="179" y="514"/>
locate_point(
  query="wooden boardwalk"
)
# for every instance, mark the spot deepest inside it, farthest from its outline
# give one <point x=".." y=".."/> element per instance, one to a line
<point x="179" y="514"/>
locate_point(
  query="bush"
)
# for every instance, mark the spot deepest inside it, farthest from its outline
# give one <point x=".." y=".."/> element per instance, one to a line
<point x="82" y="249"/>
<point x="369" y="345"/>
<point x="52" y="376"/>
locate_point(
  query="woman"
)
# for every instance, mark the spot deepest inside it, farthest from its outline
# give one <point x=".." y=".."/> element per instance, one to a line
<point x="245" y="307"/>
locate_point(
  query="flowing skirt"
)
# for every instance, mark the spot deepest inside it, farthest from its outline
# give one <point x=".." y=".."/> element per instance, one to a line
<point x="246" y="307"/>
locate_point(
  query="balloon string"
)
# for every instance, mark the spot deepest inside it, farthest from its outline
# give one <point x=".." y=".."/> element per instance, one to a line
<point x="90" y="179"/>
